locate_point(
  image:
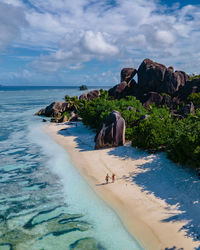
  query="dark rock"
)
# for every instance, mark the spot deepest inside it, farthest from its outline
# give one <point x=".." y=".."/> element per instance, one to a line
<point x="40" y="112"/>
<point x="44" y="120"/>
<point x="117" y="90"/>
<point x="55" y="109"/>
<point x="83" y="87"/>
<point x="112" y="133"/>
<point x="155" y="77"/>
<point x="189" y="88"/>
<point x="151" y="75"/>
<point x="167" y="100"/>
<point x="54" y="119"/>
<point x="127" y="74"/>
<point x="152" y="97"/>
<point x="123" y="89"/>
<point x="188" y="109"/>
<point x="90" y="95"/>
<point x="83" y="96"/>
<point x="63" y="119"/>
<point x="173" y="81"/>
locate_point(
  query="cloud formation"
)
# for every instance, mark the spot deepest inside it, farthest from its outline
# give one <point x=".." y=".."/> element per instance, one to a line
<point x="72" y="33"/>
<point x="12" y="20"/>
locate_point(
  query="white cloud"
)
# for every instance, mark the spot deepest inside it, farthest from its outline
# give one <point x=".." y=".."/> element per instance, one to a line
<point x="82" y="30"/>
<point x="165" y="36"/>
<point x="12" y="20"/>
<point x="76" y="51"/>
<point x="95" y="43"/>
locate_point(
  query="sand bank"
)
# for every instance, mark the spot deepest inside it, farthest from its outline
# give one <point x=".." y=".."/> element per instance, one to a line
<point x="144" y="215"/>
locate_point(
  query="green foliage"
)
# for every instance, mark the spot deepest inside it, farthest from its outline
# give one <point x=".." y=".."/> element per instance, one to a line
<point x="158" y="131"/>
<point x="74" y="102"/>
<point x="94" y="112"/>
<point x="193" y="76"/>
<point x="184" y="146"/>
<point x="67" y="114"/>
<point x="195" y="98"/>
<point x="154" y="132"/>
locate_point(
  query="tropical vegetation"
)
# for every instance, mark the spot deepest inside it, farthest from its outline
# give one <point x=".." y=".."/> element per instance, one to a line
<point x="155" y="129"/>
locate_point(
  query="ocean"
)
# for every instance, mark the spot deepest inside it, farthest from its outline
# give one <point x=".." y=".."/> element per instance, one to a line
<point x="45" y="204"/>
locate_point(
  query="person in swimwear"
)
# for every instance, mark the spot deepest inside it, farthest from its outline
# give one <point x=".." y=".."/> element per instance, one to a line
<point x="113" y="178"/>
<point x="107" y="178"/>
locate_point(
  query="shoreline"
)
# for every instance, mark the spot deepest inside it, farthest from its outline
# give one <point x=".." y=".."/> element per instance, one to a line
<point x="140" y="212"/>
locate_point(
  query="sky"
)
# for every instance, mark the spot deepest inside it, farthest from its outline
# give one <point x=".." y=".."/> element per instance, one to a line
<point x="65" y="42"/>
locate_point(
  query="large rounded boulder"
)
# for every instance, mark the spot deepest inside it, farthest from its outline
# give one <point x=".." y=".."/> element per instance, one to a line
<point x="90" y="95"/>
<point x="112" y="133"/>
<point x="55" y="109"/>
<point x="127" y="74"/>
<point x="156" y="77"/>
<point x="151" y="75"/>
<point x="118" y="90"/>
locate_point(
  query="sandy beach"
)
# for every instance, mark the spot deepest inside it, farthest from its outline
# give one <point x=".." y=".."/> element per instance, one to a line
<point x="156" y="223"/>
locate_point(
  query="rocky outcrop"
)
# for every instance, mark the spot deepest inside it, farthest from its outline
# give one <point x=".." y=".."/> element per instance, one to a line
<point x="127" y="74"/>
<point x="83" y="87"/>
<point x="157" y="99"/>
<point x="151" y="75"/>
<point x="112" y="133"/>
<point x="173" y="81"/>
<point x="90" y="95"/>
<point x="188" y="109"/>
<point x="123" y="89"/>
<point x="55" y="109"/>
<point x="152" y="97"/>
<point x="62" y="119"/>
<point x="118" y="90"/>
<point x="156" y="77"/>
<point x="189" y="88"/>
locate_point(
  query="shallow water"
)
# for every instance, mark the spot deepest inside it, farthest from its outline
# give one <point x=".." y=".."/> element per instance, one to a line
<point x="44" y="202"/>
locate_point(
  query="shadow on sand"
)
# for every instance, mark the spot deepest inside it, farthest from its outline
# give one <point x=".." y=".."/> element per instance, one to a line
<point x="178" y="186"/>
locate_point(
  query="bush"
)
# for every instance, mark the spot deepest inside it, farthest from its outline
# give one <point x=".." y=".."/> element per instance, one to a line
<point x="184" y="146"/>
<point x="193" y="76"/>
<point x="94" y="112"/>
<point x="67" y="114"/>
<point x="195" y="98"/>
<point x="154" y="132"/>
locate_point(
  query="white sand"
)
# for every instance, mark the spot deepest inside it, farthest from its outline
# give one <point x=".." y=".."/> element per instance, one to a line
<point x="150" y="219"/>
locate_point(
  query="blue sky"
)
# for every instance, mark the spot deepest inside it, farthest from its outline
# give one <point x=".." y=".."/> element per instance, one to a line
<point x="68" y="42"/>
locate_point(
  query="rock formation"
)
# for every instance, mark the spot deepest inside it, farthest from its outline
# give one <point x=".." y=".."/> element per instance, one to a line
<point x="156" y="77"/>
<point x="189" y="88"/>
<point x="112" y="133"/>
<point x="152" y="97"/>
<point x="188" y="109"/>
<point x="127" y="74"/>
<point x="90" y="95"/>
<point x="55" y="109"/>
<point x="63" y="119"/>
<point x="118" y="90"/>
<point x="154" y="80"/>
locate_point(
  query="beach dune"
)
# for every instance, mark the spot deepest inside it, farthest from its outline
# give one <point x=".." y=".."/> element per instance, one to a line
<point x="144" y="194"/>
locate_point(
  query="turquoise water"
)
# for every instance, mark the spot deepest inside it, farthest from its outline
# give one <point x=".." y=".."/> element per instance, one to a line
<point x="44" y="201"/>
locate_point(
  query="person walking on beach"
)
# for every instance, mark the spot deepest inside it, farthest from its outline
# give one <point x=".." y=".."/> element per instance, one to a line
<point x="113" y="178"/>
<point x="107" y="178"/>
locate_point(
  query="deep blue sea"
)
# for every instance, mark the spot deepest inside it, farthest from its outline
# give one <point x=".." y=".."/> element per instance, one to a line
<point x="45" y="204"/>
